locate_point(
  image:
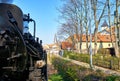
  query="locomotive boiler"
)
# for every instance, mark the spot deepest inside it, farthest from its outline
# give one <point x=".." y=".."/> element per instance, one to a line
<point x="22" y="57"/>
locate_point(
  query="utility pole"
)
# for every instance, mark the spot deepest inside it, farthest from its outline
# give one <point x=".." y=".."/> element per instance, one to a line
<point x="90" y="50"/>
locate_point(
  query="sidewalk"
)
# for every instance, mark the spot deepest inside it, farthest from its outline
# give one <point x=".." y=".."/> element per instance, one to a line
<point x="107" y="71"/>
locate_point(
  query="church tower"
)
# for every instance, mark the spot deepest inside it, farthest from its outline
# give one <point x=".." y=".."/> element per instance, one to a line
<point x="55" y="39"/>
<point x="104" y="25"/>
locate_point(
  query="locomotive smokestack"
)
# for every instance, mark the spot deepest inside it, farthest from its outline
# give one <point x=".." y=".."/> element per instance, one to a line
<point x="6" y="1"/>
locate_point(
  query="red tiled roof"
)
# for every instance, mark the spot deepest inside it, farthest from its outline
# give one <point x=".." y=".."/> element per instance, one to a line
<point x="66" y="45"/>
<point x="105" y="38"/>
<point x="100" y="38"/>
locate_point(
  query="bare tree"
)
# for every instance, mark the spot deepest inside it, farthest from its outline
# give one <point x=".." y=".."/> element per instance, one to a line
<point x="117" y="29"/>
<point x="79" y="18"/>
<point x="71" y="11"/>
<point x="109" y="20"/>
<point x="67" y="30"/>
<point x="97" y="19"/>
<point x="75" y="15"/>
<point x="86" y="23"/>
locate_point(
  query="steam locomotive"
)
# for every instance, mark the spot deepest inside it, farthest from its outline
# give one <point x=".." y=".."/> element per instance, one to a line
<point x="22" y="57"/>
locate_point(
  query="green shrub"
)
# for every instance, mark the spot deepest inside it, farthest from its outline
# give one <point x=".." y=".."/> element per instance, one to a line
<point x="55" y="77"/>
<point x="66" y="53"/>
<point x="113" y="78"/>
<point x="102" y="60"/>
<point x="72" y="72"/>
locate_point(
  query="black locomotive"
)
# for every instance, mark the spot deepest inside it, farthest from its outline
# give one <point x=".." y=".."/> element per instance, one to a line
<point x="22" y="57"/>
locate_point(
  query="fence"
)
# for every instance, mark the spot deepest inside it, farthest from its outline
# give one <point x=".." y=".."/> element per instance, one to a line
<point x="113" y="64"/>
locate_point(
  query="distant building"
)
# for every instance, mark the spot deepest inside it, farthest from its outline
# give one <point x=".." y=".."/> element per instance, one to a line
<point x="103" y="38"/>
<point x="66" y="45"/>
<point x="52" y="48"/>
<point x="104" y="26"/>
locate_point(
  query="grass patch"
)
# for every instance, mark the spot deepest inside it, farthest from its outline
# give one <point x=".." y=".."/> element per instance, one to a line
<point x="55" y="77"/>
